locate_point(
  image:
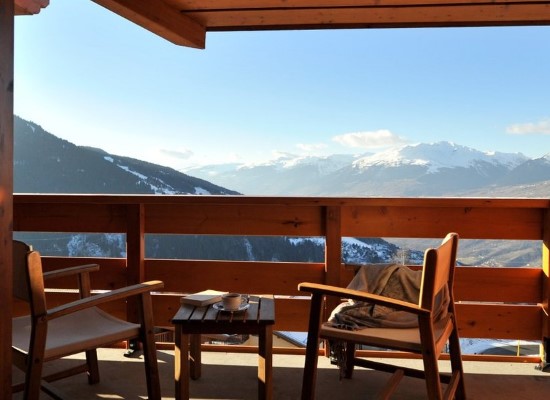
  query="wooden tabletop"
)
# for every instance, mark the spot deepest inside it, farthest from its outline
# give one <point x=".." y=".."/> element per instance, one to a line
<point x="208" y="319"/>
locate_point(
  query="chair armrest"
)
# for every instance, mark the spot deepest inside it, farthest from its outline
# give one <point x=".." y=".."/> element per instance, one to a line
<point x="102" y="298"/>
<point x="326" y="290"/>
<point x="79" y="269"/>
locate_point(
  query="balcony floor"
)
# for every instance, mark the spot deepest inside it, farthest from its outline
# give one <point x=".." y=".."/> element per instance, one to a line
<point x="233" y="376"/>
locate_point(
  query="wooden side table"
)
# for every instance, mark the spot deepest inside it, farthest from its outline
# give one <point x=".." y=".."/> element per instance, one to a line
<point x="190" y="322"/>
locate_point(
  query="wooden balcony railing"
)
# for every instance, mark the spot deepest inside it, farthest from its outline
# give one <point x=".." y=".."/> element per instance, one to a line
<point x="504" y="303"/>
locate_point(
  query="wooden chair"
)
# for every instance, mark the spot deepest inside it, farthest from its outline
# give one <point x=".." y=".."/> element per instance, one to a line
<point x="78" y="326"/>
<point x="428" y="339"/>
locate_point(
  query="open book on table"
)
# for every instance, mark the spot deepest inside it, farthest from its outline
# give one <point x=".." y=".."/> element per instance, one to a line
<point x="204" y="298"/>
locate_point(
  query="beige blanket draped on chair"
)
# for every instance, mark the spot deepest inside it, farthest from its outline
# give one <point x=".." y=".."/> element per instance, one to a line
<point x="389" y="280"/>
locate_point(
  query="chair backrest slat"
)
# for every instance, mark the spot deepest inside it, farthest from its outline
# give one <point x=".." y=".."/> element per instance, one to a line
<point x="20" y="280"/>
<point x="36" y="284"/>
<point x="28" y="280"/>
<point x="438" y="270"/>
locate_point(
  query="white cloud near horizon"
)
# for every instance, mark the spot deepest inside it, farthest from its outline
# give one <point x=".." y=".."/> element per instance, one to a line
<point x="183" y="154"/>
<point x="370" y="139"/>
<point x="530" y="128"/>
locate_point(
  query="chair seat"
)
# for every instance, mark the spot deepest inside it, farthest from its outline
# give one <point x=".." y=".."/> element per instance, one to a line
<point x="398" y="339"/>
<point x="76" y="332"/>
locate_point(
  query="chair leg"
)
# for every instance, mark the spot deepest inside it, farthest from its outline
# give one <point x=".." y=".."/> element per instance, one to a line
<point x="350" y="357"/>
<point x="33" y="382"/>
<point x="431" y="371"/>
<point x="312" y="349"/>
<point x="35" y="362"/>
<point x="93" y="368"/>
<point x="149" y="348"/>
<point x="456" y="364"/>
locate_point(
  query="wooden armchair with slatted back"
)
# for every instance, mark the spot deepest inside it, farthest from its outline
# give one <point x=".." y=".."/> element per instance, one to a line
<point x="428" y="339"/>
<point x="79" y="326"/>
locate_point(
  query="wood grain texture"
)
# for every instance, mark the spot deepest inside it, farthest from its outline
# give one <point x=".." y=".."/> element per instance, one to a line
<point x="243" y="15"/>
<point x="190" y="276"/>
<point x="482" y="288"/>
<point x="6" y="190"/>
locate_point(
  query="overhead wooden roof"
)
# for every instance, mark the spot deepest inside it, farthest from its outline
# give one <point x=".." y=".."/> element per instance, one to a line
<point x="185" y="22"/>
<point x="29" y="7"/>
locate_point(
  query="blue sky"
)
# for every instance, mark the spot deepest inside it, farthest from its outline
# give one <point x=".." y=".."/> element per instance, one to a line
<point x="93" y="78"/>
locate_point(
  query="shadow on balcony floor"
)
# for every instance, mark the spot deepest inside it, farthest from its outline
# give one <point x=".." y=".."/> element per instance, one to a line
<point x="233" y="376"/>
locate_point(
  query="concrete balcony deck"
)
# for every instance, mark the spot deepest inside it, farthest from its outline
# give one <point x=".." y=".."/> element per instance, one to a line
<point x="233" y="376"/>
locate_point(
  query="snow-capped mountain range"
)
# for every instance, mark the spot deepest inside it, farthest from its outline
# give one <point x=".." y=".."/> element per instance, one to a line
<point x="438" y="156"/>
<point x="435" y="169"/>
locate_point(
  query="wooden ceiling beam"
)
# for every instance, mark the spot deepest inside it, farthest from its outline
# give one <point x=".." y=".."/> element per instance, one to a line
<point x="233" y="5"/>
<point x="29" y="7"/>
<point x="186" y="22"/>
<point x="161" y="19"/>
<point x="488" y="14"/>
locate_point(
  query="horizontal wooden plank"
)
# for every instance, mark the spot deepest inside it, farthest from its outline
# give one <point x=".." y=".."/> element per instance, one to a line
<point x="234" y="220"/>
<point x="164" y="309"/>
<point x="244" y="215"/>
<point x="489" y="14"/>
<point x="111" y="275"/>
<point x="499" y="321"/>
<point x="471" y="284"/>
<point x="435" y="222"/>
<point x="189" y="276"/>
<point x="291" y="315"/>
<point x="445" y="356"/>
<point x="513" y="285"/>
<point x="491" y="321"/>
<point x="221" y="5"/>
<point x="21" y="200"/>
<point x="69" y="217"/>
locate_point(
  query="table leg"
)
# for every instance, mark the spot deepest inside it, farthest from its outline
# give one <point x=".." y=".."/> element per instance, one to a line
<point x="195" y="356"/>
<point x="181" y="364"/>
<point x="265" y="363"/>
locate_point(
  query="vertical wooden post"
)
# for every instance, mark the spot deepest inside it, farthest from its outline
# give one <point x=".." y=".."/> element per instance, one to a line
<point x="135" y="252"/>
<point x="545" y="363"/>
<point x="6" y="191"/>
<point x="333" y="252"/>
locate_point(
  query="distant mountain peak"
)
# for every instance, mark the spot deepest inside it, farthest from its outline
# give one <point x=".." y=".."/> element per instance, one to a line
<point x="435" y="156"/>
